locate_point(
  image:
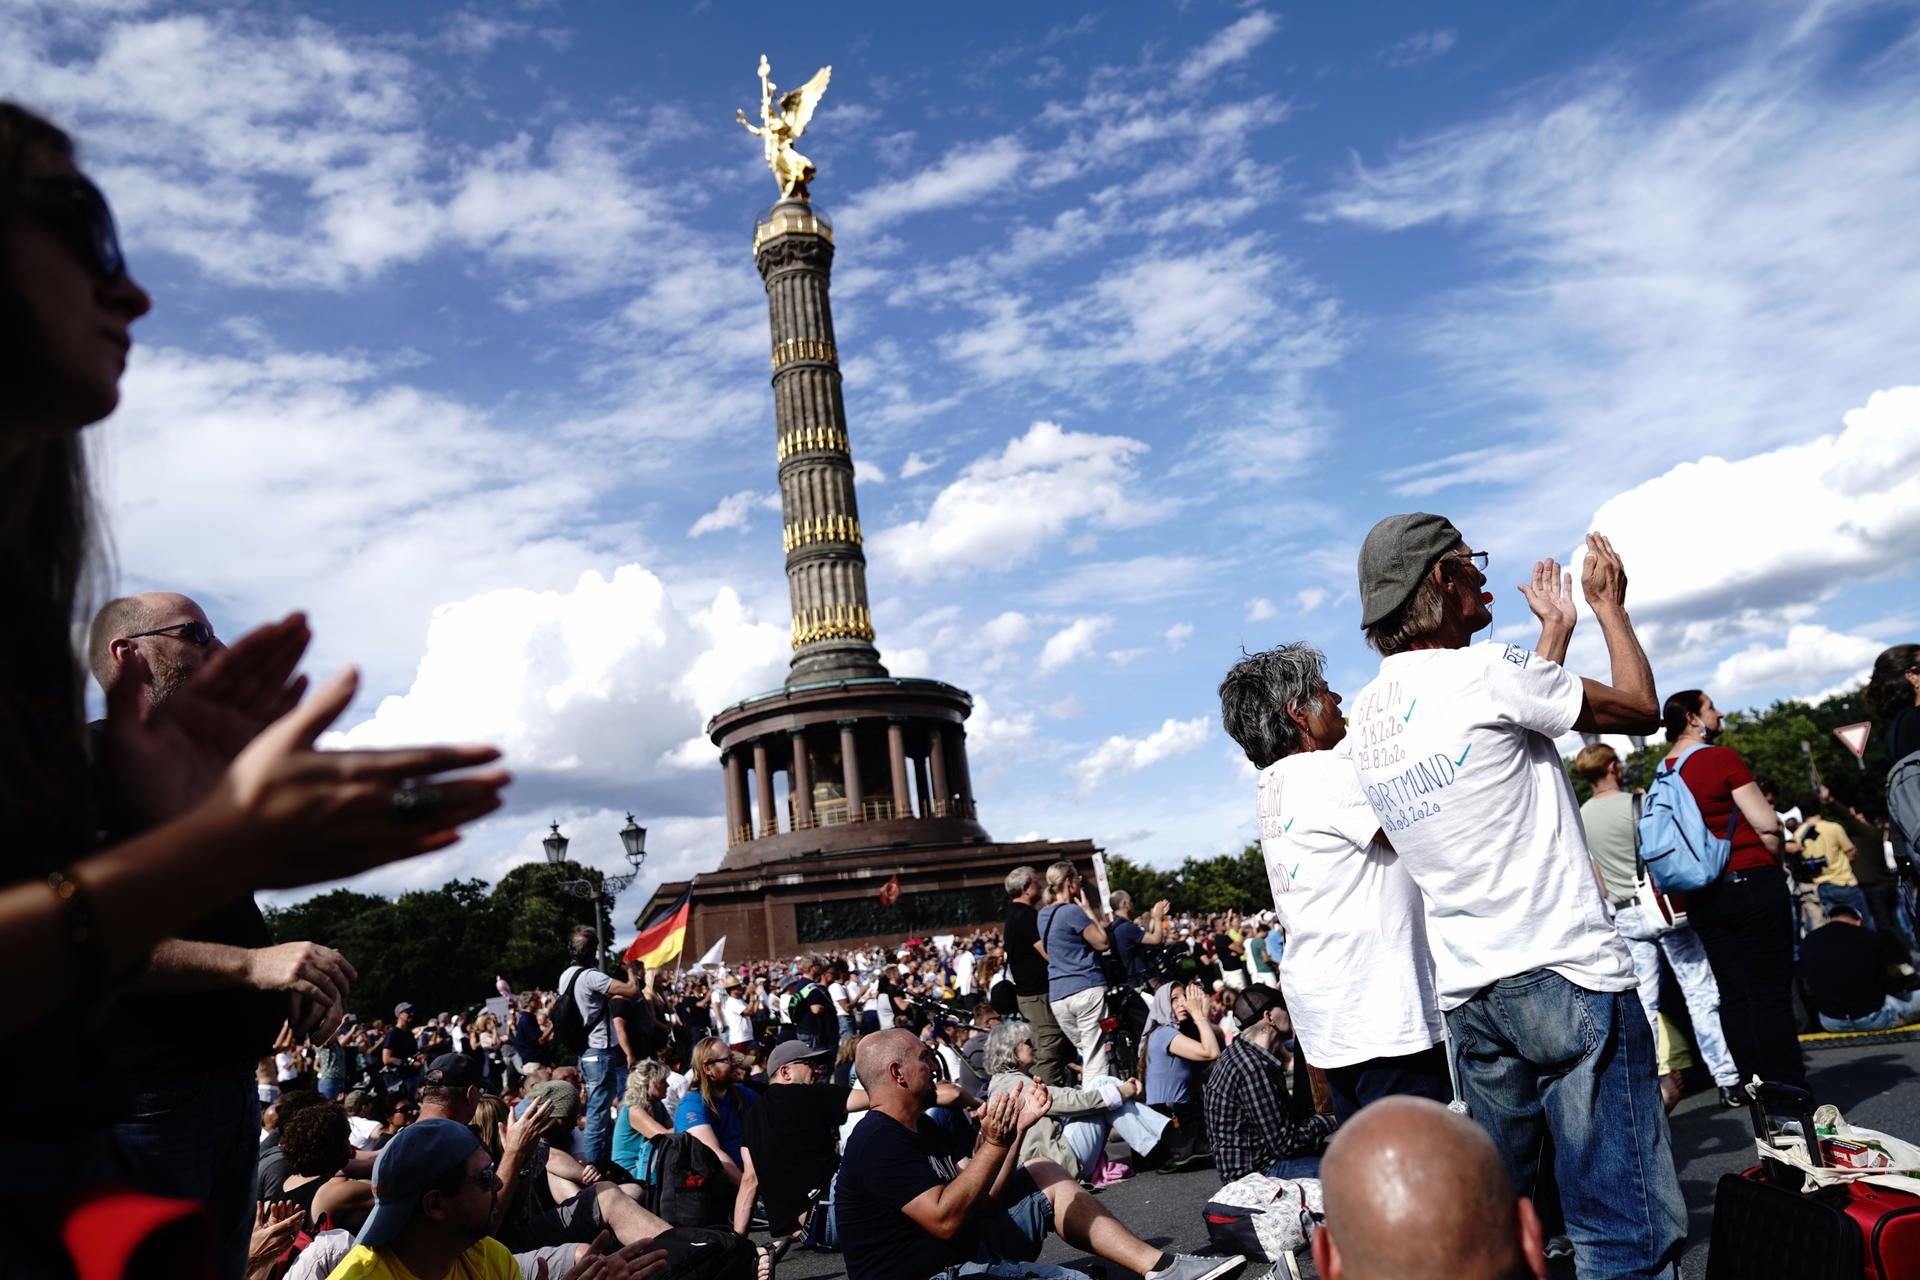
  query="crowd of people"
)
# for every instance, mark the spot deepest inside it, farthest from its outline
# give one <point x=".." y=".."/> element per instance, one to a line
<point x="1447" y="926"/>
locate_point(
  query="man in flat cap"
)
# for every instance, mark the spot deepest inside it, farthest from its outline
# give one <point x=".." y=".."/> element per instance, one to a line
<point x="1454" y="747"/>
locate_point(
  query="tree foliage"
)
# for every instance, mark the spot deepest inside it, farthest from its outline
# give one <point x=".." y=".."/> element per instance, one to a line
<point x="1225" y="882"/>
<point x="442" y="948"/>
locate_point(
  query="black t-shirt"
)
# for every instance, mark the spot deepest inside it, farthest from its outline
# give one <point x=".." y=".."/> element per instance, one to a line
<point x="1127" y="948"/>
<point x="794" y="1135"/>
<point x="886" y="1166"/>
<point x="1022" y="932"/>
<point x="1223" y="946"/>
<point x="1845" y="966"/>
<point x="202" y="1030"/>
<point x="401" y="1041"/>
<point x="821" y="1022"/>
<point x="642" y="1026"/>
<point x="1903" y="734"/>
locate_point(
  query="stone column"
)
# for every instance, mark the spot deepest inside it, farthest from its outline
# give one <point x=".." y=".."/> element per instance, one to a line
<point x="850" y="772"/>
<point x="962" y="776"/>
<point x="763" y="784"/>
<point x="942" y="792"/>
<point x="897" y="758"/>
<point x="730" y="773"/>
<point x="802" y="775"/>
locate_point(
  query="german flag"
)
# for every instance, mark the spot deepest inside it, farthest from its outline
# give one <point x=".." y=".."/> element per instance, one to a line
<point x="662" y="940"/>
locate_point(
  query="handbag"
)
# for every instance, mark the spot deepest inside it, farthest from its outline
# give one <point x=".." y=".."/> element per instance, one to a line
<point x="1663" y="912"/>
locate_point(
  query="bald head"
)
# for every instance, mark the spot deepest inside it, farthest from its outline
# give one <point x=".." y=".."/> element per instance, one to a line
<point x="1414" y="1189"/>
<point x="874" y="1060"/>
<point x="170" y="658"/>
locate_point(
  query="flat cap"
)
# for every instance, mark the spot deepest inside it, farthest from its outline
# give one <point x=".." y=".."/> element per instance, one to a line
<point x="1396" y="555"/>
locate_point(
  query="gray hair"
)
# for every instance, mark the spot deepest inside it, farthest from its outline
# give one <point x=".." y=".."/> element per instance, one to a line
<point x="1119" y="900"/>
<point x="1003" y="1045"/>
<point x="1017" y="881"/>
<point x="1261" y="689"/>
<point x="1424" y="613"/>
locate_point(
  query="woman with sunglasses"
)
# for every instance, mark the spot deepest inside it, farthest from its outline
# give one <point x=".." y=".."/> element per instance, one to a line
<point x="261" y="808"/>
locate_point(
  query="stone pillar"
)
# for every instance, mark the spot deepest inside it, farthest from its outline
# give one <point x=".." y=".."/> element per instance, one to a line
<point x="730" y="774"/>
<point x="962" y="776"/>
<point x="763" y="784"/>
<point x="942" y="792"/>
<point x="850" y="772"/>
<point x="801" y="772"/>
<point x="897" y="759"/>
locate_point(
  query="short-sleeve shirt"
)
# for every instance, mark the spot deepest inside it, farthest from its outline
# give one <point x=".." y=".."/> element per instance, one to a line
<point x="1357" y="975"/>
<point x="1455" y="753"/>
<point x="590" y="995"/>
<point x="1022" y="931"/>
<point x="486" y="1260"/>
<point x="1608" y="822"/>
<point x="794" y="1135"/>
<point x="1169" y="1076"/>
<point x="1127" y="943"/>
<point x="1845" y="966"/>
<point x="728" y="1121"/>
<point x="1072" y="965"/>
<point x="1827" y="840"/>
<point x="1713" y="774"/>
<point x="887" y="1166"/>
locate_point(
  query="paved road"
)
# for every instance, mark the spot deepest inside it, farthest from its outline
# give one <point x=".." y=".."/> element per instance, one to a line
<point x="1875" y="1085"/>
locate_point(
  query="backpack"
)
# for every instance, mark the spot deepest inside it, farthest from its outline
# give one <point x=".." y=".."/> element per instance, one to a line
<point x="1903" y="802"/>
<point x="685" y="1184"/>
<point x="569" y="1028"/>
<point x="1261" y="1217"/>
<point x="699" y="1253"/>
<point x="1680" y="853"/>
<point x="1660" y="913"/>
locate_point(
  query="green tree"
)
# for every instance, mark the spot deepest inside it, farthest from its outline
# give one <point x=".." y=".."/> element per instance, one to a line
<point x="1225" y="882"/>
<point x="540" y="916"/>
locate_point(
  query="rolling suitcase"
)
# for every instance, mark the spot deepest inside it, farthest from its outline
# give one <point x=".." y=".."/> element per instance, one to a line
<point x="1797" y="1215"/>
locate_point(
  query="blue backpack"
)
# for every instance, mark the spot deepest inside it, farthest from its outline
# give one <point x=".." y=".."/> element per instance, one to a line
<point x="1680" y="853"/>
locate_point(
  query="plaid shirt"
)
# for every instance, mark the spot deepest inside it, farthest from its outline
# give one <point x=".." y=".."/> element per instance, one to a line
<point x="1247" y="1120"/>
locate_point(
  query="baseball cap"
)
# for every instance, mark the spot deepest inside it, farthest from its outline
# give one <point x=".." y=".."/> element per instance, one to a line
<point x="453" y="1070"/>
<point x="1397" y="553"/>
<point x="417" y="1159"/>
<point x="792" y="1051"/>
<point x="1251" y="1004"/>
<point x="561" y="1096"/>
<point x="402" y="1007"/>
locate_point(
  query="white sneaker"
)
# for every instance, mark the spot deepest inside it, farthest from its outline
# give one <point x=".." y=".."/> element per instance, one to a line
<point x="1187" y="1267"/>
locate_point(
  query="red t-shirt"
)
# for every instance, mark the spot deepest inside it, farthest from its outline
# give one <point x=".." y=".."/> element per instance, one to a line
<point x="1712" y="774"/>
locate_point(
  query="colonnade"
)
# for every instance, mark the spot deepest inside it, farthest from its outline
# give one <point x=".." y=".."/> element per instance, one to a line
<point x="829" y="777"/>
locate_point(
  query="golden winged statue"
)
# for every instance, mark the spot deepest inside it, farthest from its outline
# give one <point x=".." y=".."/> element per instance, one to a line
<point x="782" y="123"/>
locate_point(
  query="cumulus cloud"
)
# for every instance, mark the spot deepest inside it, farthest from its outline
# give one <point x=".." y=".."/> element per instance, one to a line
<point x="1310" y="598"/>
<point x="1177" y="635"/>
<point x="731" y="513"/>
<point x="1006" y="508"/>
<point x="968" y="172"/>
<point x="916" y="465"/>
<point x="1811" y="659"/>
<point x="1259" y="609"/>
<point x="1120" y="755"/>
<point x="1072" y="642"/>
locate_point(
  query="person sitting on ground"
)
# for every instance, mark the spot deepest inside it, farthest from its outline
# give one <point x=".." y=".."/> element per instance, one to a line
<point x="1179" y="1041"/>
<point x="314" y="1142"/>
<point x="1854" y="975"/>
<point x="974" y="1047"/>
<point x="552" y="1197"/>
<point x="1248" y="1118"/>
<point x="904" y="1210"/>
<point x="450" y="1089"/>
<point x="1073" y="1133"/>
<point x="643" y="1116"/>
<point x="714" y="1108"/>
<point x="1413" y="1189"/>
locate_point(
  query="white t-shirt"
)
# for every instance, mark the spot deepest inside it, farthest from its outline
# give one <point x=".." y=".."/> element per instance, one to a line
<point x="288" y="1064"/>
<point x="838" y="994"/>
<point x="1357" y="976"/>
<point x="963" y="973"/>
<point x="739" y="1026"/>
<point x="1454" y="750"/>
<point x="880" y="1005"/>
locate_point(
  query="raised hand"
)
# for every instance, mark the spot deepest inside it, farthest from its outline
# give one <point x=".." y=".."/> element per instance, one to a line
<point x="1550" y="595"/>
<point x="1603" y="578"/>
<point x="319" y="975"/>
<point x="1035" y="1101"/>
<point x="274" y="1227"/>
<point x="523" y="1132"/>
<point x="999" y="1118"/>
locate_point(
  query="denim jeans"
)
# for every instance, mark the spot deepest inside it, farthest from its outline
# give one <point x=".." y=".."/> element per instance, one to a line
<point x="197" y="1135"/>
<point x="1895" y="1011"/>
<point x="1846" y="895"/>
<point x="1295" y="1167"/>
<point x="1423" y="1075"/>
<point x="597" y="1073"/>
<point x="1540" y="1058"/>
<point x="1687" y="956"/>
<point x="331" y="1087"/>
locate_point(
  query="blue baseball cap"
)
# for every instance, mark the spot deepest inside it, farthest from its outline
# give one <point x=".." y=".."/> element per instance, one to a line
<point x="419" y="1158"/>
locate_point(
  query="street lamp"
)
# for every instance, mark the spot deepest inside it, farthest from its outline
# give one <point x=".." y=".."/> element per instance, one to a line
<point x="633" y="837"/>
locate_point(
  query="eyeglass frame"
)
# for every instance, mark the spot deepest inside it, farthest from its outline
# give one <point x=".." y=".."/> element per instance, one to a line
<point x="193" y="636"/>
<point x="1478" y="559"/>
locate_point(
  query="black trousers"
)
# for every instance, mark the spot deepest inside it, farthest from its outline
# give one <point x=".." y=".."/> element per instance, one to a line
<point x="1423" y="1074"/>
<point x="1745" y="918"/>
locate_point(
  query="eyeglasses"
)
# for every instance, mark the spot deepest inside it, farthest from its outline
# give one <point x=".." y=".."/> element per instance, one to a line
<point x="484" y="1178"/>
<point x="1478" y="559"/>
<point x="194" y="633"/>
<point x="73" y="209"/>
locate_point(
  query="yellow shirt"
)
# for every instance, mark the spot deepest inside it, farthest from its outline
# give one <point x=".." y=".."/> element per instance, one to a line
<point x="1829" y="841"/>
<point x="487" y="1260"/>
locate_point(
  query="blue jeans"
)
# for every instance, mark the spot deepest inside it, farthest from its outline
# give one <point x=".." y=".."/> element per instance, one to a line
<point x="1846" y="895"/>
<point x="1893" y="1012"/>
<point x="330" y="1087"/>
<point x="1538" y="1058"/>
<point x="597" y="1073"/>
<point x="1686" y="955"/>
<point x="197" y="1135"/>
<point x="1295" y="1167"/>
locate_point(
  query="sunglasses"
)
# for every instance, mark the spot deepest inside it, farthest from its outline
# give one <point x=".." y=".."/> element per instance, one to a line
<point x="73" y="209"/>
<point x="194" y="633"/>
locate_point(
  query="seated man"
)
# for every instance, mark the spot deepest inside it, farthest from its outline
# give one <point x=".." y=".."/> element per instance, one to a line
<point x="433" y="1207"/>
<point x="1853" y="975"/>
<point x="1414" y="1190"/>
<point x="450" y="1090"/>
<point x="553" y="1198"/>
<point x="796" y="1129"/>
<point x="905" y="1210"/>
<point x="1246" y="1098"/>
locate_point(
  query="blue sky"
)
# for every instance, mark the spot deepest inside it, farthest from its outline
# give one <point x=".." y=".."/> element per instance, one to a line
<point x="1146" y="313"/>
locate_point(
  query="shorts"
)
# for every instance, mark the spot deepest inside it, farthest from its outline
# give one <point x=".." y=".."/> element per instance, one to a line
<point x="577" y="1221"/>
<point x="1018" y="1232"/>
<point x="559" y="1260"/>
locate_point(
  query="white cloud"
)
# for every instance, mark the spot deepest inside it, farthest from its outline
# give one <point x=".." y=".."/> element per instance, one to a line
<point x="1177" y="635"/>
<point x="1231" y="44"/>
<point x="1811" y="658"/>
<point x="1123" y="755"/>
<point x="1006" y="508"/>
<point x="1711" y="537"/>
<point x="1259" y="609"/>
<point x="994" y="737"/>
<point x="916" y="465"/>
<point x="1310" y="598"/>
<point x="1072" y="642"/>
<point x="1422" y="46"/>
<point x="865" y="472"/>
<point x="731" y="513"/>
<point x="1006" y="629"/>
<point x="968" y="172"/>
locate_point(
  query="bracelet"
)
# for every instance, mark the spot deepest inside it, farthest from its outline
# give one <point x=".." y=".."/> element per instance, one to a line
<point x="83" y="936"/>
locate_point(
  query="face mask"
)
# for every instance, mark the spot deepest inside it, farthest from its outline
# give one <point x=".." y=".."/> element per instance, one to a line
<point x="1706" y="734"/>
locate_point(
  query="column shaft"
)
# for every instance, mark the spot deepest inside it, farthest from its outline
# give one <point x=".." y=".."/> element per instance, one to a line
<point x="942" y="792"/>
<point x="897" y="759"/>
<point x="850" y="771"/>
<point x="730" y="774"/>
<point x="962" y="775"/>
<point x="763" y="784"/>
<point x="802" y="774"/>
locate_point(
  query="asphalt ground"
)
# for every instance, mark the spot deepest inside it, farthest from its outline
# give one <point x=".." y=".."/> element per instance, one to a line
<point x="1875" y="1083"/>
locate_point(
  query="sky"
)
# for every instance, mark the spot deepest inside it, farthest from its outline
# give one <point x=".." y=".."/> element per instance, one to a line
<point x="1146" y="314"/>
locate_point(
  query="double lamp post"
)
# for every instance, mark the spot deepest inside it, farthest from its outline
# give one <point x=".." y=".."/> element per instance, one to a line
<point x="634" y="837"/>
